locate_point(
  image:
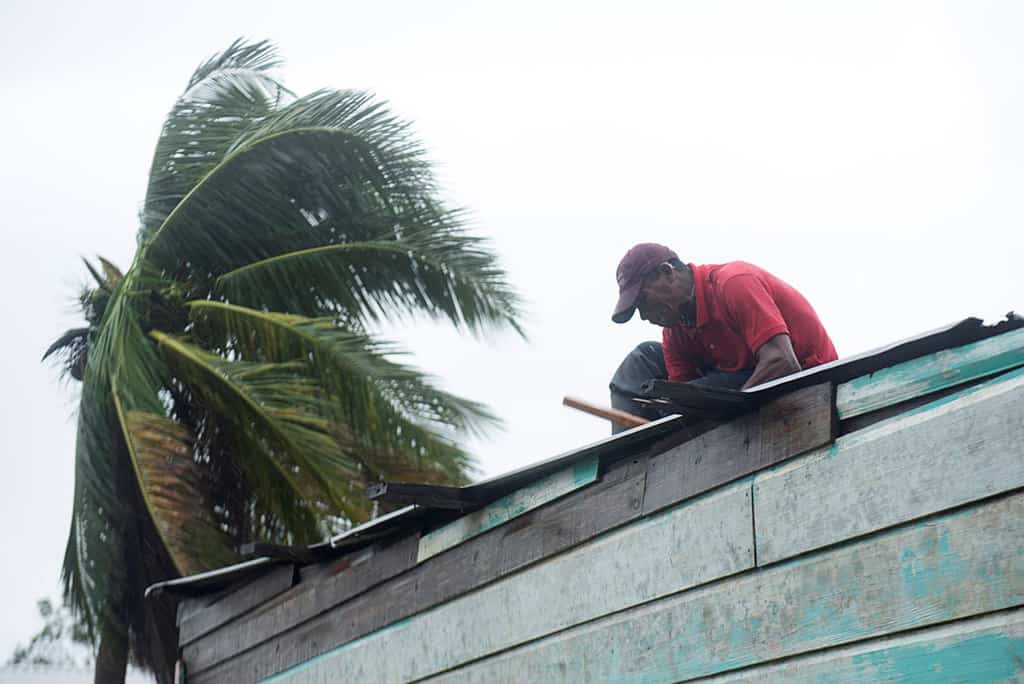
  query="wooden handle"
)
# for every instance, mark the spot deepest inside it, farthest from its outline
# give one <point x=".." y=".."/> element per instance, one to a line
<point x="616" y="416"/>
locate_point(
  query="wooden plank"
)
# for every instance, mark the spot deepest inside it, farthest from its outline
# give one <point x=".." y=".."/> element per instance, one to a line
<point x="700" y="541"/>
<point x="790" y="425"/>
<point x="507" y="507"/>
<point x="960" y="565"/>
<point x="561" y="525"/>
<point x="984" y="649"/>
<point x="953" y="451"/>
<point x="302" y="603"/>
<point x="277" y="579"/>
<point x="190" y="605"/>
<point x="930" y="373"/>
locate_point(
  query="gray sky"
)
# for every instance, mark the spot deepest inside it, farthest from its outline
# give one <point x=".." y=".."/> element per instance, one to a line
<point x="870" y="153"/>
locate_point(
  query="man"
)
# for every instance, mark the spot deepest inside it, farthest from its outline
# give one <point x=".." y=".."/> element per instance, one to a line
<point x="728" y="325"/>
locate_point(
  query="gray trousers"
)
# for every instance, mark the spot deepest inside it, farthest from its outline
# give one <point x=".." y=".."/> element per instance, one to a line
<point x="647" y="362"/>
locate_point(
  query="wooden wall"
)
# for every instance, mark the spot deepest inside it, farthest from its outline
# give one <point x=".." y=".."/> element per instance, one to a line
<point x="774" y="547"/>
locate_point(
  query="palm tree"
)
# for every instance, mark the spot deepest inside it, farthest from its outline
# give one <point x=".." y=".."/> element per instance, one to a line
<point x="232" y="388"/>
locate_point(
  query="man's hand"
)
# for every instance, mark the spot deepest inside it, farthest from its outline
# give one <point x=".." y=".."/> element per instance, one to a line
<point x="775" y="359"/>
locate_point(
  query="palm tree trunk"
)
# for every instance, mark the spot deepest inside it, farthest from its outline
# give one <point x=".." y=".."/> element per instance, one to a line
<point x="111" y="660"/>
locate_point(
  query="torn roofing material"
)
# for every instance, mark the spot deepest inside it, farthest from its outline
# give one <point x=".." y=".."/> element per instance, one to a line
<point x="481" y="493"/>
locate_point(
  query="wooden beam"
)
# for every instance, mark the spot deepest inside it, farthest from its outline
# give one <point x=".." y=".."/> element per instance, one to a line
<point x="930" y="374"/>
<point x="956" y="450"/>
<point x="304" y="602"/>
<point x="927" y="573"/>
<point x="508" y="507"/>
<point x="788" y="426"/>
<point x="276" y="579"/>
<point x="989" y="648"/>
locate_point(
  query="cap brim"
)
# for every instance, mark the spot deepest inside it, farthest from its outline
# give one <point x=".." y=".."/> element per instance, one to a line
<point x="626" y="305"/>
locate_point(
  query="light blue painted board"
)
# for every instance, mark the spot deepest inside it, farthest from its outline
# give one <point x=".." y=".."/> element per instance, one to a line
<point x="959" y="449"/>
<point x="508" y="507"/>
<point x="931" y="373"/>
<point x="985" y="649"/>
<point x="957" y="566"/>
<point x="700" y="541"/>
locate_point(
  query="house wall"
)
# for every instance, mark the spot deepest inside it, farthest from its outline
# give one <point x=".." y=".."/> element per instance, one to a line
<point x="768" y="548"/>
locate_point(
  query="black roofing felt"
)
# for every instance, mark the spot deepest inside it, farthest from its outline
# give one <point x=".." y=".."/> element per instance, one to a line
<point x="680" y="397"/>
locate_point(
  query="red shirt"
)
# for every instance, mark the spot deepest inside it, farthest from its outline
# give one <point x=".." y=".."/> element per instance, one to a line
<point x="739" y="308"/>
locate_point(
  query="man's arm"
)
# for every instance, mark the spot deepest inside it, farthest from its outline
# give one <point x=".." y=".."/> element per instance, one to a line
<point x="775" y="359"/>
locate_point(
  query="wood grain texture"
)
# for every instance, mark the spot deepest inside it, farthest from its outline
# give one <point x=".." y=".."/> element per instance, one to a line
<point x="931" y="373"/>
<point x="961" y="565"/>
<point x="274" y="581"/>
<point x="962" y="448"/>
<point x="984" y="649"/>
<point x="508" y="507"/>
<point x="788" y="426"/>
<point x="585" y="513"/>
<point x="700" y="541"/>
<point x="301" y="603"/>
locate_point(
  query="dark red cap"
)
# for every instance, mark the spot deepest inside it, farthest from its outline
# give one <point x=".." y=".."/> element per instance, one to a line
<point x="640" y="260"/>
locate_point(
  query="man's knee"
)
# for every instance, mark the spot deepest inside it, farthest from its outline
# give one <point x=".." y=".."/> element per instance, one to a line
<point x="644" y="362"/>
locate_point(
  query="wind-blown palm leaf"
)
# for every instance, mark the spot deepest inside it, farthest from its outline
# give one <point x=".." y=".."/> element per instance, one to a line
<point x="334" y="169"/>
<point x="396" y="408"/>
<point x="434" y="269"/>
<point x="175" y="492"/>
<point x="284" y="408"/>
<point x="226" y="95"/>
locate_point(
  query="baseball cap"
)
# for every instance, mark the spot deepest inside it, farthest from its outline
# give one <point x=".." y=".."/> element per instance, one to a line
<point x="640" y="260"/>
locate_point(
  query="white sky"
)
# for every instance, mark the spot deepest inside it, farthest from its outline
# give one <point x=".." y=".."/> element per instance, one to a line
<point x="870" y="153"/>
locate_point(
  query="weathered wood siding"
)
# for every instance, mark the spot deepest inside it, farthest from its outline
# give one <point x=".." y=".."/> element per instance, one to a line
<point x="985" y="649"/>
<point x="693" y="544"/>
<point x="766" y="549"/>
<point x="504" y="509"/>
<point x="947" y="453"/>
<point x="930" y="374"/>
<point x="958" y="566"/>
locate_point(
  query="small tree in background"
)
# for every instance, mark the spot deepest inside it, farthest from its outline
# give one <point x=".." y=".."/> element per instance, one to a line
<point x="231" y="389"/>
<point x="63" y="642"/>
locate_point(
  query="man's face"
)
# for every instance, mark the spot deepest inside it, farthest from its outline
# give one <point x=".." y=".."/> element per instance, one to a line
<point x="661" y="298"/>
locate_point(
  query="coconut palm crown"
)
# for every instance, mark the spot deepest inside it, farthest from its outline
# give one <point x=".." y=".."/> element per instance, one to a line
<point x="231" y="389"/>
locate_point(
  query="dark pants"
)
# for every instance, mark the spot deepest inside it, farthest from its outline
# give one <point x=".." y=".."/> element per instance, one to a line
<point x="646" y="362"/>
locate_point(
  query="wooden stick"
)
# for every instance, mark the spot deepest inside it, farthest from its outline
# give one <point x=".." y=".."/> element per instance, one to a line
<point x="621" y="418"/>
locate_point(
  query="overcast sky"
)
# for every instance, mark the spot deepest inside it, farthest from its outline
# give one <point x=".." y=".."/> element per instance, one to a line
<point x="870" y="153"/>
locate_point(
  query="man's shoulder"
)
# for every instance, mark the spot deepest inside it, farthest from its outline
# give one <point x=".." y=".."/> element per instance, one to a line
<point x="720" y="274"/>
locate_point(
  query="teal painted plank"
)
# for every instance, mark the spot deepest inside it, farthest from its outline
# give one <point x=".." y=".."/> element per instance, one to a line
<point x="508" y="507"/>
<point x="985" y="649"/>
<point x="931" y="373"/>
<point x="957" y="566"/>
<point x="959" y="449"/>
<point x="703" y="540"/>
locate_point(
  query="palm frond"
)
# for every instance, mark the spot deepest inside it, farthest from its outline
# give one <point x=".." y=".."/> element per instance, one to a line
<point x="72" y="352"/>
<point x="112" y="275"/>
<point x="433" y="269"/>
<point x="393" y="412"/>
<point x="227" y="94"/>
<point x="280" y="408"/>
<point x="331" y="169"/>
<point x="174" y="490"/>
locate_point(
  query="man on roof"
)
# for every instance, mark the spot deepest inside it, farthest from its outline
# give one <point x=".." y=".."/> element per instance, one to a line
<point x="730" y="325"/>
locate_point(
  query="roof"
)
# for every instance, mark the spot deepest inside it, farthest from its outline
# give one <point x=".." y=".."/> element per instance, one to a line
<point x="429" y="503"/>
